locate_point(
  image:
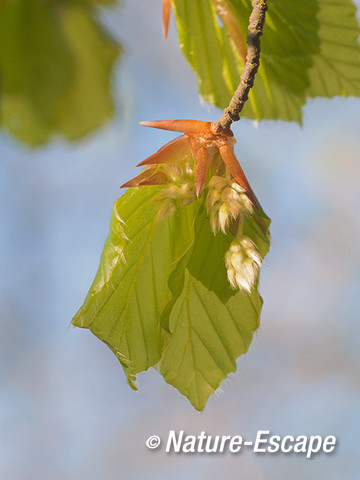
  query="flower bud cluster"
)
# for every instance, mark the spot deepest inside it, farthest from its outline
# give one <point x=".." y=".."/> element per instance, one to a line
<point x="243" y="263"/>
<point x="226" y="200"/>
<point x="181" y="189"/>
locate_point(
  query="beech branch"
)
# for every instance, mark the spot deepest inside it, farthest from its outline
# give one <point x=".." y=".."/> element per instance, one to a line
<point x="256" y="23"/>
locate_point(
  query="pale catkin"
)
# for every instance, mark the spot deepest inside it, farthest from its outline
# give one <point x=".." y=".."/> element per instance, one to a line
<point x="243" y="263"/>
<point x="226" y="200"/>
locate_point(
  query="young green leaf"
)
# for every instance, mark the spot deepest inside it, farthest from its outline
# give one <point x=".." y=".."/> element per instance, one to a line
<point x="178" y="277"/>
<point x="210" y="324"/>
<point x="130" y="290"/>
<point x="172" y="269"/>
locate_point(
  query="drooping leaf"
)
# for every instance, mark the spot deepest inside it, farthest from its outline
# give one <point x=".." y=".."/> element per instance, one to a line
<point x="55" y="66"/>
<point x="130" y="290"/>
<point x="306" y="51"/>
<point x="210" y="324"/>
<point x="161" y="294"/>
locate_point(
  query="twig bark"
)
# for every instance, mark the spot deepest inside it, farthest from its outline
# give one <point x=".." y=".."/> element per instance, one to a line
<point x="256" y="23"/>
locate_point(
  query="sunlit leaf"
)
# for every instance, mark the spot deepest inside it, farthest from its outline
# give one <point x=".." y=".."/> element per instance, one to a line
<point x="288" y="42"/>
<point x="130" y="291"/>
<point x="161" y="294"/>
<point x="336" y="69"/>
<point x="210" y="324"/>
<point x="297" y="35"/>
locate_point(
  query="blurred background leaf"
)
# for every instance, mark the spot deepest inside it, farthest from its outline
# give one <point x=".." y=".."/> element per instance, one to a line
<point x="55" y="66"/>
<point x="309" y="48"/>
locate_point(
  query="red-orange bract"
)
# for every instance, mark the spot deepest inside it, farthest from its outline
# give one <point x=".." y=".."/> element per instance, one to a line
<point x="202" y="141"/>
<point x="166" y="16"/>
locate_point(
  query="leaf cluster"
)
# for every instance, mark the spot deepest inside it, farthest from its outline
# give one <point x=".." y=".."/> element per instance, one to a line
<point x="161" y="296"/>
<point x="309" y="48"/>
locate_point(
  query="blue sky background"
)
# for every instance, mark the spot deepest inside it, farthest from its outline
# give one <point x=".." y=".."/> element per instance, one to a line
<point x="66" y="411"/>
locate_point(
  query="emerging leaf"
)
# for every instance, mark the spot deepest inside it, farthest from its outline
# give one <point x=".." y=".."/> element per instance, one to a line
<point x="210" y="324"/>
<point x="130" y="290"/>
<point x="165" y="292"/>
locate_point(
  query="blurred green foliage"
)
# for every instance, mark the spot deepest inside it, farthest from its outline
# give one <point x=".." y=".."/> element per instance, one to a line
<point x="55" y="69"/>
